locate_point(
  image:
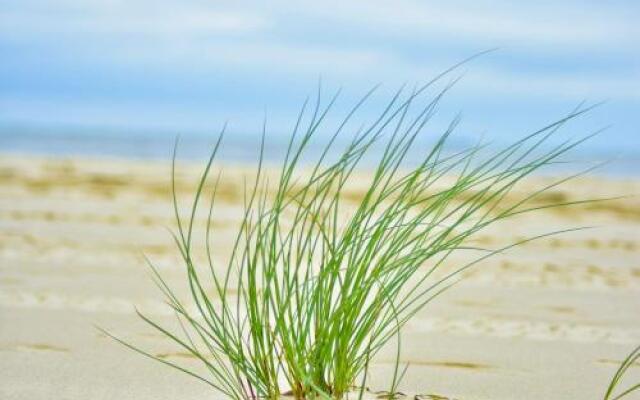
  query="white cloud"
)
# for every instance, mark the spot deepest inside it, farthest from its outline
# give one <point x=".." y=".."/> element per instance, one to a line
<point x="365" y="67"/>
<point x="126" y="18"/>
<point x="255" y="38"/>
<point x="500" y="23"/>
<point x="582" y="24"/>
<point x="559" y="85"/>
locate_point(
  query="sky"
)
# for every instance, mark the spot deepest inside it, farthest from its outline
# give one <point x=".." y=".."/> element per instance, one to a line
<point x="158" y="67"/>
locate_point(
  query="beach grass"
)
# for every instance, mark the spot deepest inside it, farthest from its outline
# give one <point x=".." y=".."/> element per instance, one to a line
<point x="616" y="381"/>
<point x="315" y="286"/>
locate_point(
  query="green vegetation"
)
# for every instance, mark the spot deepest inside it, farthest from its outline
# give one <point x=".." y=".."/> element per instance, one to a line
<point x="317" y="284"/>
<point x="631" y="359"/>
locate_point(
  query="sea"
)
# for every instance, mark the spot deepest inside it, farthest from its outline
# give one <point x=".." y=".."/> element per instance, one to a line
<point x="245" y="148"/>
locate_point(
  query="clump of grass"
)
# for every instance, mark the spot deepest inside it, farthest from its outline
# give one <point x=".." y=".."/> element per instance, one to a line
<point x="631" y="359"/>
<point x="315" y="286"/>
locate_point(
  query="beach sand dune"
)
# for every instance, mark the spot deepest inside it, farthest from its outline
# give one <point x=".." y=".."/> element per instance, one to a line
<point x="551" y="319"/>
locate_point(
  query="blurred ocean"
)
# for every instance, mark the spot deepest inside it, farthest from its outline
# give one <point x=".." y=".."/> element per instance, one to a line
<point x="239" y="148"/>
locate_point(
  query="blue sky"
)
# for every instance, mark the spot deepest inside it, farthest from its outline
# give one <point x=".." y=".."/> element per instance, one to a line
<point x="187" y="66"/>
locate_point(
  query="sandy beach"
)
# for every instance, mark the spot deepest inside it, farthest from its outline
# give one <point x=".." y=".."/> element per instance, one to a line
<point x="551" y="319"/>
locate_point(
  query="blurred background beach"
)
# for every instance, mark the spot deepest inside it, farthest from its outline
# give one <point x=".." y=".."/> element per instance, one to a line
<point x="94" y="93"/>
<point x="123" y="78"/>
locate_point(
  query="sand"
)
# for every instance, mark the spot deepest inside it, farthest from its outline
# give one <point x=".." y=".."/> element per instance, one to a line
<point x="549" y="320"/>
